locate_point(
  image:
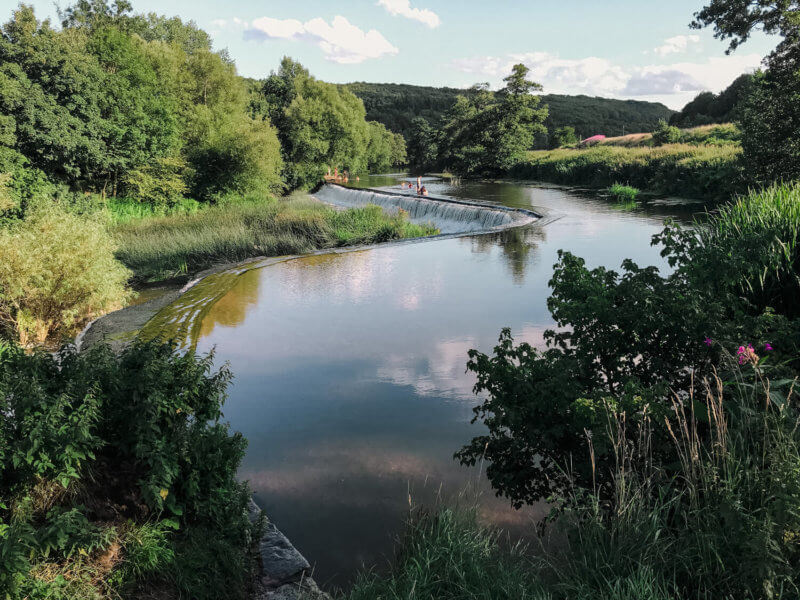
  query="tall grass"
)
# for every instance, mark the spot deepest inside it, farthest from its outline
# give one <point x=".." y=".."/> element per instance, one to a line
<point x="691" y="171"/>
<point x="757" y="238"/>
<point x="158" y="248"/>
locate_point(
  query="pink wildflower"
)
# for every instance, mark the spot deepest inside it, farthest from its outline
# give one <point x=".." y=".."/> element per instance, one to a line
<point x="707" y="341"/>
<point x="746" y="354"/>
<point x="768" y="347"/>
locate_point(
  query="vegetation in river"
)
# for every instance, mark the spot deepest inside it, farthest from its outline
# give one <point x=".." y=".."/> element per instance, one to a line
<point x="157" y="248"/>
<point x="117" y="477"/>
<point x="624" y="194"/>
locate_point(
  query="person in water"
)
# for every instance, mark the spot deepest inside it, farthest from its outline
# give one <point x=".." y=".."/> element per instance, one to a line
<point x="423" y="191"/>
<point x="419" y="183"/>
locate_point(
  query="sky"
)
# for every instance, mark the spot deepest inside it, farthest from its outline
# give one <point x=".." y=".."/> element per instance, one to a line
<point x="637" y="49"/>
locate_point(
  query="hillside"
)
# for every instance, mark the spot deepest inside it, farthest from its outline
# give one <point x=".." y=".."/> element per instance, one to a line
<point x="395" y="105"/>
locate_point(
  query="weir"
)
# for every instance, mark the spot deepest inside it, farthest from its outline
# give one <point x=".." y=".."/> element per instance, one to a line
<point x="448" y="215"/>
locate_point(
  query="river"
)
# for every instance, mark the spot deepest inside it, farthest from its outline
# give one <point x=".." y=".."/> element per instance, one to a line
<point x="350" y="380"/>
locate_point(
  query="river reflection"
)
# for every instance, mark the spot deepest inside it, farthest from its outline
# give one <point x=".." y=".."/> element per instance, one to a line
<point x="350" y="380"/>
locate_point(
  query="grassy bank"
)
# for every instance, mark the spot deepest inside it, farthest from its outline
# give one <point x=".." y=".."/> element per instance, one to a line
<point x="686" y="170"/>
<point x="161" y="247"/>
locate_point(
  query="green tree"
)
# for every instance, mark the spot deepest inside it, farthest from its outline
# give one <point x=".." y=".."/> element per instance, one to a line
<point x="770" y="117"/>
<point x="666" y="134"/>
<point x="564" y="136"/>
<point x="487" y="133"/>
<point x="320" y="125"/>
<point x="422" y="146"/>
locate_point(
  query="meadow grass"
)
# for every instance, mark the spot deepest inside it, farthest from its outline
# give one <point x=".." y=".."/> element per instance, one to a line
<point x="162" y="247"/>
<point x="712" y="172"/>
<point x="709" y="135"/>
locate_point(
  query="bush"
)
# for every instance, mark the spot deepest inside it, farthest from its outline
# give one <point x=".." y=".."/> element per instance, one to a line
<point x="625" y="339"/>
<point x="448" y="554"/>
<point x="56" y="272"/>
<point x="101" y="454"/>
<point x="666" y="134"/>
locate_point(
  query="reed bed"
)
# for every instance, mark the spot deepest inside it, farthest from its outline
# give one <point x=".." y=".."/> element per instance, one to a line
<point x="162" y="247"/>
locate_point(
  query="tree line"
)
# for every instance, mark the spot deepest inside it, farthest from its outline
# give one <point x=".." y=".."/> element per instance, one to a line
<point x="115" y="103"/>
<point x="397" y="105"/>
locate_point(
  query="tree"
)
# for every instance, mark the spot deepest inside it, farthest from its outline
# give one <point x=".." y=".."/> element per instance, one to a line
<point x="770" y="117"/>
<point x="666" y="134"/>
<point x="564" y="136"/>
<point x="422" y="146"/>
<point x="320" y="125"/>
<point x="485" y="134"/>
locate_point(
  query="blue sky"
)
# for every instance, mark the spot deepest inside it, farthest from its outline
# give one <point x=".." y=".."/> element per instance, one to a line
<point x="616" y="48"/>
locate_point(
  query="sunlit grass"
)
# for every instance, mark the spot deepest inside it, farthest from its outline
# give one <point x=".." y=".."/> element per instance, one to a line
<point x="161" y="247"/>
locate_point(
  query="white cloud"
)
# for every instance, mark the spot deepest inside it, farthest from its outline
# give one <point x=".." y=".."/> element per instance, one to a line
<point x="403" y="9"/>
<point x="340" y="41"/>
<point x="677" y="44"/>
<point x="673" y="84"/>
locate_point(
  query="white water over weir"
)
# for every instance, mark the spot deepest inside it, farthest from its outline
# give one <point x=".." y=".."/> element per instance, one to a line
<point x="448" y="215"/>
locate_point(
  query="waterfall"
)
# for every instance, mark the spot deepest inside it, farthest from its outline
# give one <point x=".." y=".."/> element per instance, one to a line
<point x="448" y="215"/>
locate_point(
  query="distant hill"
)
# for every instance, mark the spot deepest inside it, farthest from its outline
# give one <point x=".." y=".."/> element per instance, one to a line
<point x="707" y="107"/>
<point x="395" y="105"/>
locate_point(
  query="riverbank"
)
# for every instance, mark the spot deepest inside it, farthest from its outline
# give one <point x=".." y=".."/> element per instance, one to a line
<point x="160" y="248"/>
<point x="694" y="171"/>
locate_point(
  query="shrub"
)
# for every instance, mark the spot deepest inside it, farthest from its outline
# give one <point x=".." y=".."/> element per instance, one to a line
<point x="57" y="271"/>
<point x="103" y="453"/>
<point x="666" y="134"/>
<point x="626" y="339"/>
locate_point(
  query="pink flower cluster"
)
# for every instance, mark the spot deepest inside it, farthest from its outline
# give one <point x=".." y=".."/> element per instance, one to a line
<point x="747" y="354"/>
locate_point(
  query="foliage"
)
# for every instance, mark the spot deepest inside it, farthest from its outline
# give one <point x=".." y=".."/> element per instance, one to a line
<point x="384" y="148"/>
<point x="180" y="243"/>
<point x="564" y="136"/>
<point x="623" y="340"/>
<point x="712" y="172"/>
<point x="56" y="272"/>
<point x="104" y="454"/>
<point x="448" y="554"/>
<point x="118" y="103"/>
<point x="750" y="250"/>
<point x="398" y="105"/>
<point x="708" y="107"/>
<point x="770" y="115"/>
<point x="666" y="134"/>
<point x="320" y="125"/>
<point x="423" y="148"/>
<point x="236" y="158"/>
<point x="623" y="193"/>
<point x="487" y="133"/>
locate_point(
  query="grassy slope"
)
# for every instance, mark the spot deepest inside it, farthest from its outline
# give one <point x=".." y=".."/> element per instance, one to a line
<point x="160" y="247"/>
<point x="698" y="171"/>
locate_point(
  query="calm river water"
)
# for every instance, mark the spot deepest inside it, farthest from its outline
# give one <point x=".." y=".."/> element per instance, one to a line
<point x="349" y="368"/>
